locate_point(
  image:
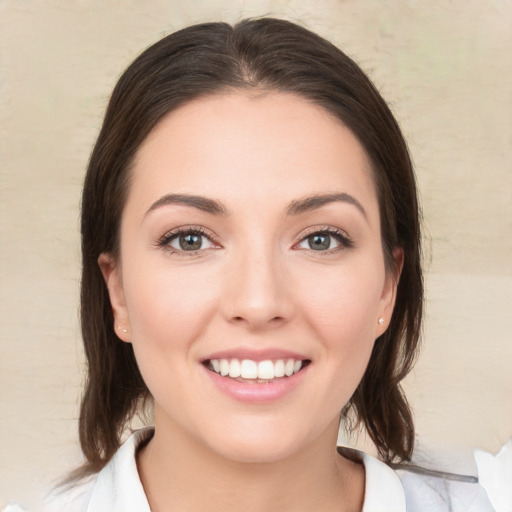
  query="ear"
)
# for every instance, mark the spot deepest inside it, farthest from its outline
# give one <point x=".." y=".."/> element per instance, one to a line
<point x="388" y="297"/>
<point x="112" y="275"/>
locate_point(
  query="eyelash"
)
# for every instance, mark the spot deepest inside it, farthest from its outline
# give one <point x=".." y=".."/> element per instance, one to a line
<point x="344" y="240"/>
<point x="164" y="241"/>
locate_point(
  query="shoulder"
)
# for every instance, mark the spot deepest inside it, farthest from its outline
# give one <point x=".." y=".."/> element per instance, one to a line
<point x="116" y="487"/>
<point x="429" y="490"/>
<point x="410" y="488"/>
<point x="71" y="499"/>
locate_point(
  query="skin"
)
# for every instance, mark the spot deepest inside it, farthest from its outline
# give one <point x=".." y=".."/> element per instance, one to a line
<point x="256" y="283"/>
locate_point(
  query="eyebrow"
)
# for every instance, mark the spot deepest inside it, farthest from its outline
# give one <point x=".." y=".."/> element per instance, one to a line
<point x="313" y="202"/>
<point x="295" y="207"/>
<point x="201" y="203"/>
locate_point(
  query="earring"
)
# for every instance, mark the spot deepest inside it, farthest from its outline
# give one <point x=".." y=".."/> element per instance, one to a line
<point x="381" y="321"/>
<point x="124" y="330"/>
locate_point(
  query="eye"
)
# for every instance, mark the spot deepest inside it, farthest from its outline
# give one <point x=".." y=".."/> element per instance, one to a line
<point x="319" y="242"/>
<point x="325" y="240"/>
<point x="189" y="240"/>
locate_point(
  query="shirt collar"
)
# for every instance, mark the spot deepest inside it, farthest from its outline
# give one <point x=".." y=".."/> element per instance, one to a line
<point x="383" y="490"/>
<point x="119" y="489"/>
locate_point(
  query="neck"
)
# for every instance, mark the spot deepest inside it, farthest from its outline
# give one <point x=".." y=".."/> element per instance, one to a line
<point x="179" y="474"/>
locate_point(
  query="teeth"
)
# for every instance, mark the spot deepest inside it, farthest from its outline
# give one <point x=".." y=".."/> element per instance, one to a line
<point x="266" y="370"/>
<point x="249" y="369"/>
<point x="224" y="367"/>
<point x="289" y="367"/>
<point x="234" y="368"/>
<point x="279" y="368"/>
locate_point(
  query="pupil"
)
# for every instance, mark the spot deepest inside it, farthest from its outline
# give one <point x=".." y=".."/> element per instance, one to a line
<point x="190" y="242"/>
<point x="319" y="242"/>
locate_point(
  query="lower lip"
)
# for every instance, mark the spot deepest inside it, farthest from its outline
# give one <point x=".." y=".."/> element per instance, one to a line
<point x="252" y="392"/>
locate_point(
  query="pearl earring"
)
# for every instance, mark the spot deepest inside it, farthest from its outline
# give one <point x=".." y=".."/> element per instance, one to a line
<point x="124" y="330"/>
<point x="381" y="321"/>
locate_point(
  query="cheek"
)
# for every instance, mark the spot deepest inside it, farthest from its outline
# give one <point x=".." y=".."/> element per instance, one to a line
<point x="342" y="314"/>
<point x="343" y="303"/>
<point x="167" y="307"/>
<point x="341" y="310"/>
<point x="169" y="311"/>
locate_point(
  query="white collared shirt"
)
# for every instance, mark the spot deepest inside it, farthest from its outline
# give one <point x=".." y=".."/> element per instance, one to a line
<point x="117" y="488"/>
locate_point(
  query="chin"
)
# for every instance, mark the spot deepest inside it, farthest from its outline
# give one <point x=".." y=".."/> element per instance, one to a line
<point x="250" y="452"/>
<point x="257" y="443"/>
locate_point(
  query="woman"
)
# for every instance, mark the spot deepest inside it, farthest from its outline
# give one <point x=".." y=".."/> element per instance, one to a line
<point x="251" y="269"/>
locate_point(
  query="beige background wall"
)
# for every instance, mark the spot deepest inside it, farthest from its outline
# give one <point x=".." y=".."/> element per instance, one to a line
<point x="445" y="67"/>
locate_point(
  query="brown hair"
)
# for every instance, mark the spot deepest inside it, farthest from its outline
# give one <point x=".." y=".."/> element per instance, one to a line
<point x="261" y="54"/>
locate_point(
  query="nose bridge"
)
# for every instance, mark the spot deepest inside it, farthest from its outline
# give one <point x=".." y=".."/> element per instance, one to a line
<point x="257" y="291"/>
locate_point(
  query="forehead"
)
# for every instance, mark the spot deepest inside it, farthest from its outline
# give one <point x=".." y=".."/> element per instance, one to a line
<point x="273" y="145"/>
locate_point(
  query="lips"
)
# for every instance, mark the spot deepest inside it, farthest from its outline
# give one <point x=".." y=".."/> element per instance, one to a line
<point x="256" y="376"/>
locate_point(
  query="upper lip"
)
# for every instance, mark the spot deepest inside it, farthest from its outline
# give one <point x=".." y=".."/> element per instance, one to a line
<point x="255" y="354"/>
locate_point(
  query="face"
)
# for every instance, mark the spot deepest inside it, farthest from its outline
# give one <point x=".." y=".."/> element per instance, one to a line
<point x="251" y="275"/>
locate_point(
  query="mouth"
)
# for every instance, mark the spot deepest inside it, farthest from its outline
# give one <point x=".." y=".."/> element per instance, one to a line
<point x="256" y="372"/>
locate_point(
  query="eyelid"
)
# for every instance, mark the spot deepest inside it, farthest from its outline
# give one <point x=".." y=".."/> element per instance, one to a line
<point x="344" y="239"/>
<point x="163" y="241"/>
<point x="322" y="229"/>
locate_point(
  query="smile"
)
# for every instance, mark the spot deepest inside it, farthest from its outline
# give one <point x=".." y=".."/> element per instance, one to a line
<point x="248" y="370"/>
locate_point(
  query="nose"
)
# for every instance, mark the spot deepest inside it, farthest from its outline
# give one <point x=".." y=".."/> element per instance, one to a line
<point x="257" y="292"/>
